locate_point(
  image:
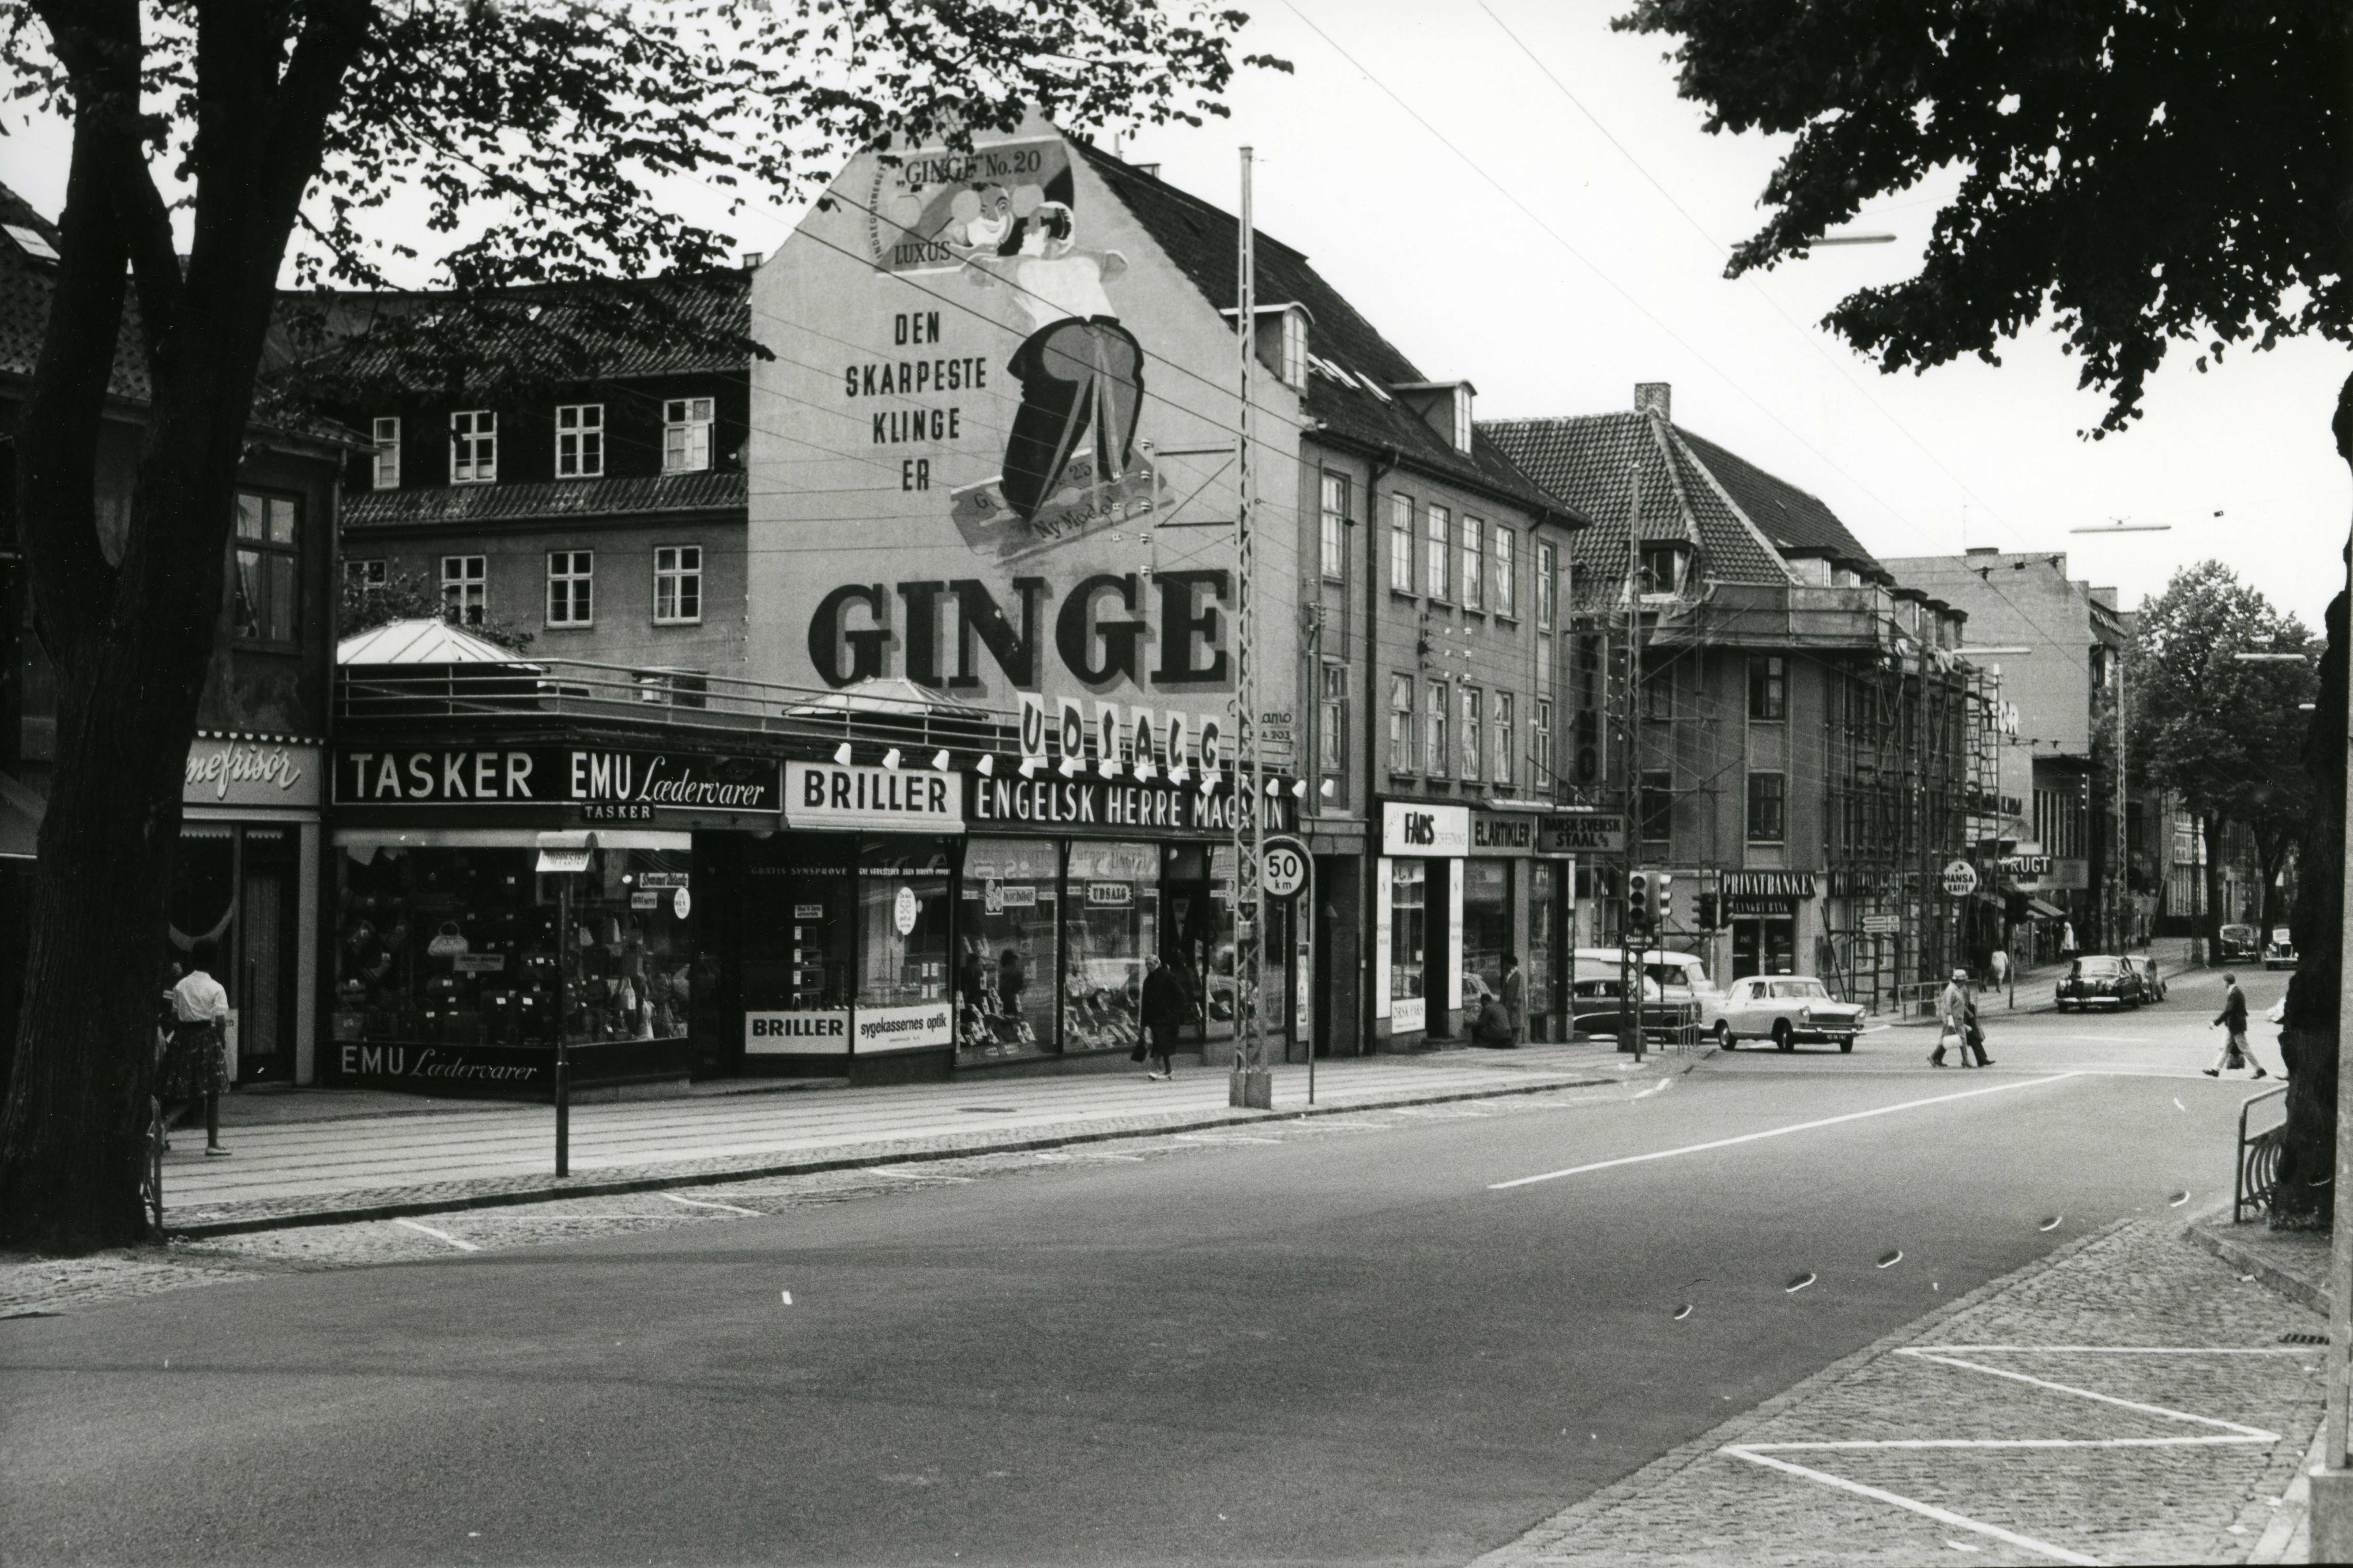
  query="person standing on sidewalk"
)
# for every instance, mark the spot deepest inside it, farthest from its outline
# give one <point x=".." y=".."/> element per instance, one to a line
<point x="2067" y="948"/>
<point x="2233" y="1017"/>
<point x="1515" y="997"/>
<point x="1164" y="1008"/>
<point x="1998" y="962"/>
<point x="195" y="1057"/>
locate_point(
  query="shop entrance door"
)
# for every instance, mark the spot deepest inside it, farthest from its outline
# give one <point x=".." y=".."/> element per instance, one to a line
<point x="262" y="986"/>
<point x="1766" y="944"/>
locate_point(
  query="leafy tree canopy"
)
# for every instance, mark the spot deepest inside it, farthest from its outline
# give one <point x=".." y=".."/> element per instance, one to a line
<point x="2150" y="172"/>
<point x="2222" y="733"/>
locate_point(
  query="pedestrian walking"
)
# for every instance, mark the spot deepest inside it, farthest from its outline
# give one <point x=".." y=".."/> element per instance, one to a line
<point x="194" y="1059"/>
<point x="1952" y="1016"/>
<point x="1998" y="962"/>
<point x="1165" y="1008"/>
<point x="2236" y="1053"/>
<point x="1515" y="997"/>
<point x="2067" y="949"/>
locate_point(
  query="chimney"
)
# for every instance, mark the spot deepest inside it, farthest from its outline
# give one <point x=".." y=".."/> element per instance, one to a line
<point x="1655" y="394"/>
<point x="752" y="259"/>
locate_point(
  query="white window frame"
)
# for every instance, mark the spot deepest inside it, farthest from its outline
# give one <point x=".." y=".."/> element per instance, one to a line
<point x="1501" y="720"/>
<point x="1404" y="724"/>
<point x="474" y="447"/>
<point x="1435" y="736"/>
<point x="574" y="573"/>
<point x="1332" y="732"/>
<point x="677" y="577"/>
<point x="1540" y="742"/>
<point x="1473" y="592"/>
<point x="1506" y="568"/>
<point x="1440" y="528"/>
<point x="1332" y="494"/>
<point x="1474" y="734"/>
<point x="465" y="589"/>
<point x="1294" y="348"/>
<point x="1400" y="543"/>
<point x="384" y="468"/>
<point x="580" y="441"/>
<point x="1548" y="587"/>
<point x="686" y="434"/>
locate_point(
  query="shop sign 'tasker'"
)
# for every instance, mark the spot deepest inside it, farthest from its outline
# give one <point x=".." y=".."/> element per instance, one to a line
<point x="605" y="784"/>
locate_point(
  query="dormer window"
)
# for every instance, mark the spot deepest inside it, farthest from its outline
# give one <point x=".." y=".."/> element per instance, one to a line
<point x="1663" y="568"/>
<point x="1279" y="338"/>
<point x="1462" y="417"/>
<point x="1444" y="406"/>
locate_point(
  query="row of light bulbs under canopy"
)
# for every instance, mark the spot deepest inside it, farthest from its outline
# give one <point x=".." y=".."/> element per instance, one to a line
<point x="1071" y="767"/>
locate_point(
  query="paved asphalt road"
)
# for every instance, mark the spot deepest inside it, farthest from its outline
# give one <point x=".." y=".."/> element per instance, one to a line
<point x="1339" y="1346"/>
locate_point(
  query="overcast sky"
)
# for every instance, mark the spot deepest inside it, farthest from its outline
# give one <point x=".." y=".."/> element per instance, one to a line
<point x="1495" y="227"/>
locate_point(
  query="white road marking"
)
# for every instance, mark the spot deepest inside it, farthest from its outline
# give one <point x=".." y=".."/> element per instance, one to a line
<point x="1796" y="1286"/>
<point x="1777" y="1132"/>
<point x="707" y="1203"/>
<point x="2232" y="1432"/>
<point x="912" y="1176"/>
<point x="440" y="1236"/>
<point x="1664" y="1083"/>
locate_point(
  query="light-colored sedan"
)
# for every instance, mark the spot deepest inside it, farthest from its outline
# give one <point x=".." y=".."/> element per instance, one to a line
<point x="1785" y="1009"/>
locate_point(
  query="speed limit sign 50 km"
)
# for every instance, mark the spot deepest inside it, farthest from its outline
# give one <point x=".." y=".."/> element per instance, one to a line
<point x="1283" y="871"/>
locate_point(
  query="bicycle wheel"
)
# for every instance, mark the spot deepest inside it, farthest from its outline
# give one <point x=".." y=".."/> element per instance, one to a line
<point x="151" y="1186"/>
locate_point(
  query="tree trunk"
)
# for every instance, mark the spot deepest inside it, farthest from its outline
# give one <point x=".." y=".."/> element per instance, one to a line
<point x="2304" y="1198"/>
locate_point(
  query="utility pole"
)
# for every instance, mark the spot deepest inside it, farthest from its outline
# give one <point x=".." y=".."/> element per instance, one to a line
<point x="2120" y="890"/>
<point x="1630" y="977"/>
<point x="1252" y="1084"/>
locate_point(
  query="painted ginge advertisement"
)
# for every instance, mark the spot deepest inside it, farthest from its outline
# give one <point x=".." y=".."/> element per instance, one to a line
<point x="1000" y="545"/>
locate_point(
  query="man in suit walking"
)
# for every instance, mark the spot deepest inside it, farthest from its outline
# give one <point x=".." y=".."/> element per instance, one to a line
<point x="2233" y="1018"/>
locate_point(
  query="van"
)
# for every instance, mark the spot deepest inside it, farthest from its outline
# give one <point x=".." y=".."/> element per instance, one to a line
<point x="1679" y="976"/>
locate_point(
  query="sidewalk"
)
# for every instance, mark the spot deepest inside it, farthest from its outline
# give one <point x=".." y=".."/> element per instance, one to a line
<point x="307" y="1159"/>
<point x="2124" y="1400"/>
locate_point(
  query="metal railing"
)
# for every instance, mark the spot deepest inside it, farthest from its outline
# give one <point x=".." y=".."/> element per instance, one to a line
<point x="580" y="690"/>
<point x="2258" y="1159"/>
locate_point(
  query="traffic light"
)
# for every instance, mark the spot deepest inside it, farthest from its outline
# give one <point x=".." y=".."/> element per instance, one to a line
<point x="1640" y="912"/>
<point x="1663" y="900"/>
<point x="1707" y="911"/>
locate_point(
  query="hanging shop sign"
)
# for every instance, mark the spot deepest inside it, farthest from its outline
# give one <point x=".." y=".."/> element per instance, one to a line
<point x="234" y="771"/>
<point x="1767" y="884"/>
<point x="606" y="786"/>
<point x="1502" y="832"/>
<point x="1130" y="806"/>
<point x="826" y="795"/>
<point x="1959" y="879"/>
<point x="1581" y="833"/>
<point x="1425" y="828"/>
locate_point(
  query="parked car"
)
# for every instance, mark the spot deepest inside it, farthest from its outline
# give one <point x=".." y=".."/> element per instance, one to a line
<point x="2235" y="942"/>
<point x="2152" y="984"/>
<point x="2280" y="954"/>
<point x="2101" y="980"/>
<point x="1680" y="976"/>
<point x="1786" y="1010"/>
<point x="1598" y="1007"/>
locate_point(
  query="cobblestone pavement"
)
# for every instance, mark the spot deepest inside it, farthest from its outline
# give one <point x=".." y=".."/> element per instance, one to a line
<point x="2130" y="1399"/>
<point x="31" y="1286"/>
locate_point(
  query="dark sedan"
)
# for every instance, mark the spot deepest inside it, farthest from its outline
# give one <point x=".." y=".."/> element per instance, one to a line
<point x="2102" y="981"/>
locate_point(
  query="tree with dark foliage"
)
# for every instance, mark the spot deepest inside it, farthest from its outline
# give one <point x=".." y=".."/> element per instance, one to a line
<point x="2149" y="172"/>
<point x="262" y="134"/>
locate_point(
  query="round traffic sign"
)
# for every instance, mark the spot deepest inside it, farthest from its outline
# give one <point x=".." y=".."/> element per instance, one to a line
<point x="1283" y="871"/>
<point x="1960" y="878"/>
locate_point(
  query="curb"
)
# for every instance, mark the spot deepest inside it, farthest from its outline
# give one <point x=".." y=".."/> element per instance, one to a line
<point x="1531" y="1542"/>
<point x="2226" y="1246"/>
<point x="388" y="1204"/>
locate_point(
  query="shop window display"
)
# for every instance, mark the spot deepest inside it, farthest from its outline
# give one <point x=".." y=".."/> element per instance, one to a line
<point x="1409" y="932"/>
<point x="1113" y="925"/>
<point x="800" y="937"/>
<point x="1544" y="936"/>
<point x="903" y="919"/>
<point x="465" y="947"/>
<point x="1486" y="925"/>
<point x="1008" y="968"/>
<point x="1199" y="900"/>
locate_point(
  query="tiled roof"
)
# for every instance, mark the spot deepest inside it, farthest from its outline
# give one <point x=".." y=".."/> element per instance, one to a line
<point x="25" y="282"/>
<point x="558" y="332"/>
<point x="553" y="500"/>
<point x="1201" y="240"/>
<point x="1789" y="517"/>
<point x="1589" y="461"/>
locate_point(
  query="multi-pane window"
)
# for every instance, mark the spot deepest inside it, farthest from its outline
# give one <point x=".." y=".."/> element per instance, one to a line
<point x="1335" y="540"/>
<point x="1294" y="348"/>
<point x="1767" y="821"/>
<point x="1441" y="542"/>
<point x="1400" y="723"/>
<point x="1433" y="734"/>
<point x="1659" y="692"/>
<point x="678" y="584"/>
<point x="1547" y="586"/>
<point x="1332" y="740"/>
<point x="1662" y="568"/>
<point x="1540" y="742"/>
<point x="686" y="434"/>
<point x="465" y="589"/>
<point x="1503" y="758"/>
<point x="1402" y="543"/>
<point x="1507" y="589"/>
<point x="1655" y="807"/>
<point x="1475" y="733"/>
<point x="579" y="440"/>
<point x="1474" y="563"/>
<point x="385" y="466"/>
<point x="364" y="576"/>
<point x="267" y="584"/>
<point x="473" y="446"/>
<point x="571" y="587"/>
<point x="1768" y="687"/>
